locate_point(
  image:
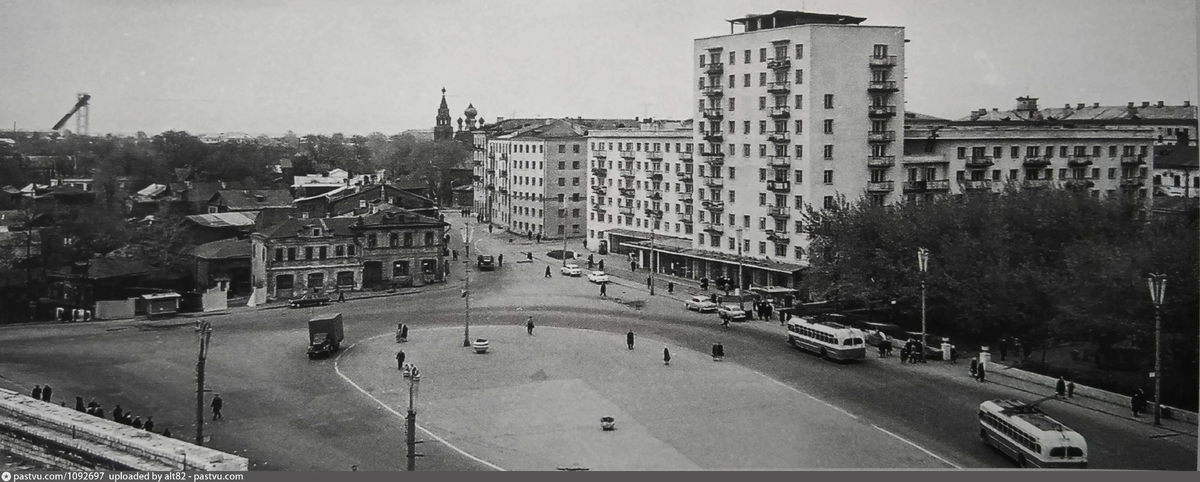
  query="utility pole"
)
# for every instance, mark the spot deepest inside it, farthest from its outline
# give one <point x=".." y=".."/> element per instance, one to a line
<point x="205" y="336"/>
<point x="467" y="288"/>
<point x="563" y="217"/>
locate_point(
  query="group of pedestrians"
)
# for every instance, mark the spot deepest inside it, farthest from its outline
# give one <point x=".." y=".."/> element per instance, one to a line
<point x="119" y="415"/>
<point x="912" y="351"/>
<point x="763" y="310"/>
<point x="978" y="370"/>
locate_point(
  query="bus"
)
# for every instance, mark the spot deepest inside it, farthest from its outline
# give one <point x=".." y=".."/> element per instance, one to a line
<point x="828" y="339"/>
<point x="1029" y="436"/>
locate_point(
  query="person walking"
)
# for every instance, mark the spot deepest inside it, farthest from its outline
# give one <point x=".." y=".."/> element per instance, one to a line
<point x="666" y="356"/>
<point x="649" y="282"/>
<point x="404" y="332"/>
<point x="604" y="290"/>
<point x="1060" y="387"/>
<point x="37" y="392"/>
<point x="539" y="238"/>
<point x="1138" y="402"/>
<point x="341" y="296"/>
<point x="92" y="406"/>
<point x="46" y="391"/>
<point x="500" y="260"/>
<point x="547" y="271"/>
<point x="79" y="404"/>
<point x="217" y="404"/>
<point x="400" y="360"/>
<point x="974" y="368"/>
<point x="981" y="373"/>
<point x="629" y="339"/>
<point x="149" y="424"/>
<point x="529" y="325"/>
<point x="99" y="412"/>
<point x="670" y="287"/>
<point x="454" y="254"/>
<point x="633" y="266"/>
<point x="1070" y="389"/>
<point x="725" y="321"/>
<point x="118" y="413"/>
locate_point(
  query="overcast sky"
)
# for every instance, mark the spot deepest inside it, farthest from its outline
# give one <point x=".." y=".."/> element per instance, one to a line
<point x="209" y="66"/>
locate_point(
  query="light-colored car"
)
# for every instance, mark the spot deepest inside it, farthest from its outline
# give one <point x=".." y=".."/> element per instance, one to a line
<point x="700" y="304"/>
<point x="731" y="312"/>
<point x="598" y="277"/>
<point x="571" y="270"/>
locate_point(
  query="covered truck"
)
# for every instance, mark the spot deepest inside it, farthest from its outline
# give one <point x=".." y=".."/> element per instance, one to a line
<point x="325" y="335"/>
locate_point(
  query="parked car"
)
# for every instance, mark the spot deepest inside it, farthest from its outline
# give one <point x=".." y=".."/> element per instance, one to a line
<point x="308" y="300"/>
<point x="571" y="270"/>
<point x="731" y="312"/>
<point x="933" y="350"/>
<point x="486" y="262"/>
<point x="700" y="304"/>
<point x="873" y="331"/>
<point x="598" y="277"/>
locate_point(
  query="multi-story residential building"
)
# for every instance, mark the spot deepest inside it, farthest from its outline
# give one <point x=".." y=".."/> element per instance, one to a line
<point x="958" y="159"/>
<point x="1171" y="123"/>
<point x="1177" y="170"/>
<point x="641" y="184"/>
<point x="796" y="109"/>
<point x="386" y="248"/>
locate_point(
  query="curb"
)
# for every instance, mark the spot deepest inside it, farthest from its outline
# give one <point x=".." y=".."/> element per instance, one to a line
<point x="1114" y="399"/>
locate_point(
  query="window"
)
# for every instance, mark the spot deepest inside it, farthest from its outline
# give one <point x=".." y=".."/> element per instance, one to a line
<point x="575" y="164"/>
<point x="1112" y="151"/>
<point x="762" y="127"/>
<point x="1112" y="173"/>
<point x="762" y="245"/>
<point x="345" y="279"/>
<point x="828" y="177"/>
<point x="996" y="175"/>
<point x="400" y="269"/>
<point x="322" y="252"/>
<point x="762" y="55"/>
<point x="746" y="80"/>
<point x="762" y="197"/>
<point x="308" y="252"/>
<point x="746" y="150"/>
<point x="828" y="101"/>
<point x="828" y="202"/>
<point x="799" y="51"/>
<point x="394" y="239"/>
<point x="997" y="152"/>
<point x="762" y="150"/>
<point x="562" y="181"/>
<point x="562" y="148"/>
<point x="350" y="248"/>
<point x="732" y="172"/>
<point x="279" y="254"/>
<point x="408" y="240"/>
<point x="828" y="151"/>
<point x="799" y="178"/>
<point x="732" y="197"/>
<point x="799" y="76"/>
<point x="339" y="251"/>
<point x="732" y="81"/>
<point x="829" y="126"/>
<point x="429" y="239"/>
<point x="1015" y="152"/>
<point x="762" y="79"/>
<point x="732" y="107"/>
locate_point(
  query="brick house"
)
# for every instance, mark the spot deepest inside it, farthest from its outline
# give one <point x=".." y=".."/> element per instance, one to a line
<point x="401" y="248"/>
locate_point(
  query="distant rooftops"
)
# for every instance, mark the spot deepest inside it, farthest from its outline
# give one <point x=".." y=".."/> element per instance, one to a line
<point x="790" y="18"/>
<point x="1027" y="110"/>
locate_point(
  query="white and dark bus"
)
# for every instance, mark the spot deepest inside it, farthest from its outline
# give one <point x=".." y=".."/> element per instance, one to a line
<point x="830" y="340"/>
<point x="1029" y="436"/>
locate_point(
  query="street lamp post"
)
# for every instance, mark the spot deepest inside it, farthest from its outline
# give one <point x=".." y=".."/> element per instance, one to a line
<point x="467" y="287"/>
<point x="1158" y="285"/>
<point x="205" y="336"/>
<point x="923" y="261"/>
<point x="653" y="255"/>
<point x="738" y="290"/>
<point x="414" y="379"/>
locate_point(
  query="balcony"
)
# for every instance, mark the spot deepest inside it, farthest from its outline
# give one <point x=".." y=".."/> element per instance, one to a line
<point x="881" y="111"/>
<point x="779" y="186"/>
<point x="714" y="205"/>
<point x="491" y="170"/>
<point x="478" y="163"/>
<point x="779" y="64"/>
<point x="627" y="191"/>
<point x="688" y="199"/>
<point x="782" y="87"/>
<point x="599" y="207"/>
<point x="503" y="173"/>
<point x="685" y="217"/>
<point x="600" y="154"/>
<point x="779" y="236"/>
<point x="882" y="86"/>
<point x="625" y="210"/>
<point x="1132" y="182"/>
<point x="920" y="186"/>
<point x="714" y="160"/>
<point x="654" y="213"/>
<point x="601" y="190"/>
<point x="712" y="228"/>
<point x="883" y="61"/>
<point x="491" y="187"/>
<point x="628" y="154"/>
<point x="503" y="190"/>
<point x="628" y="173"/>
<point x="684" y="176"/>
<point x="779" y="212"/>
<point x="1036" y="161"/>
<point x="713" y="90"/>
<point x="784" y="162"/>
<point x="599" y="172"/>
<point x="714" y="113"/>
<point x="491" y="155"/>
<point x="714" y="182"/>
<point x="476" y="177"/>
<point x="979" y="162"/>
<point x="654" y="175"/>
<point x="685" y="156"/>
<point x="881" y="186"/>
<point x="1133" y="160"/>
<point x="1078" y="184"/>
<point x="654" y="194"/>
<point x="656" y="155"/>
<point x="881" y="161"/>
<point x="881" y="136"/>
<point x="926" y="159"/>
<point x="1079" y="161"/>
<point x="779" y="137"/>
<point x="1038" y="183"/>
<point x="781" y="111"/>
<point x="713" y="136"/>
<point x="714" y="69"/>
<point x="976" y="185"/>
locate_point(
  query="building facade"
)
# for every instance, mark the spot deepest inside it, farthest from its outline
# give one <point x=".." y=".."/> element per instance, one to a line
<point x="1172" y="124"/>
<point x="641" y="185"/>
<point x="545" y="167"/>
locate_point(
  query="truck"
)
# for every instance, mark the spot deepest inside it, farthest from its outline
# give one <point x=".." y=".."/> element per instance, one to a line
<point x="325" y="335"/>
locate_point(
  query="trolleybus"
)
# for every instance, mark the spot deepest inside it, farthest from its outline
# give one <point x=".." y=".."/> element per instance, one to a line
<point x="830" y="340"/>
<point x="1029" y="436"/>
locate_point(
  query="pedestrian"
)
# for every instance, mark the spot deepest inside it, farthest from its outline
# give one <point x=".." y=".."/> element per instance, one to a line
<point x="591" y="264"/>
<point x="99" y="412"/>
<point x="591" y="258"/>
<point x="1138" y="402"/>
<point x="666" y="356"/>
<point x="529" y="256"/>
<point x="649" y="282"/>
<point x="400" y="360"/>
<point x="953" y="354"/>
<point x="547" y="271"/>
<point x="974" y="367"/>
<point x="539" y="237"/>
<point x="149" y="424"/>
<point x="166" y="432"/>
<point x="92" y="405"/>
<point x="600" y="265"/>
<point x="671" y="287"/>
<point x="981" y="372"/>
<point x="37" y="392"/>
<point x="1070" y="389"/>
<point x="904" y="356"/>
<point x="629" y="339"/>
<point x="1003" y="349"/>
<point x="454" y="254"/>
<point x="217" y="404"/>
<point x="46" y="391"/>
<point x="603" y="290"/>
<point x="633" y="266"/>
<point x="770" y="309"/>
<point x="404" y="331"/>
<point x="713" y="297"/>
<point x="128" y="418"/>
<point x="137" y="422"/>
<point x="529" y="325"/>
<point x="725" y="321"/>
<point x="500" y="260"/>
<point x="718" y="352"/>
<point x="79" y="404"/>
<point x="1060" y="387"/>
<point x="341" y="296"/>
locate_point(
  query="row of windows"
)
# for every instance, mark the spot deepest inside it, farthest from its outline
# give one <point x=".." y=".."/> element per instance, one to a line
<point x="533" y="229"/>
<point x="780" y="248"/>
<point x="780" y="102"/>
<point x="1063" y="151"/>
<point x="780" y="51"/>
<point x="649" y="166"/>
<point x="531" y="148"/>
<point x="394" y="240"/>
<point x="314" y="252"/>
<point x="640" y="147"/>
<point x="780" y="77"/>
<point x="1011" y="431"/>
<point x="1031" y="174"/>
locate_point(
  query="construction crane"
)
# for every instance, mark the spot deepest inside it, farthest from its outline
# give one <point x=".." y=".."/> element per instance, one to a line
<point x="81" y="120"/>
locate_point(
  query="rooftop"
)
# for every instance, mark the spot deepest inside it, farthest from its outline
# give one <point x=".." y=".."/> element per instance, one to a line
<point x="789" y="18"/>
<point x="224" y="249"/>
<point x="1186" y="157"/>
<point x="255" y="199"/>
<point x="1027" y="111"/>
<point x="224" y="220"/>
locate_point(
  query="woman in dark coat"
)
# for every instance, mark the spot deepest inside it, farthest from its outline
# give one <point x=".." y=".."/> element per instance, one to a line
<point x="666" y="356"/>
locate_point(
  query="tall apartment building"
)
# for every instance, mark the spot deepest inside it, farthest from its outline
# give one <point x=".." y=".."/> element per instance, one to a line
<point x="796" y="109"/>
<point x="641" y="183"/>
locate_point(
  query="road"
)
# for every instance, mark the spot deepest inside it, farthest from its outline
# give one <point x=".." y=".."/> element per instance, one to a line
<point x="285" y="412"/>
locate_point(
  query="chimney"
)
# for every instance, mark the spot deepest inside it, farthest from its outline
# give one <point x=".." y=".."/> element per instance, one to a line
<point x="995" y="109"/>
<point x="1187" y="103"/>
<point x="1067" y="106"/>
<point x="1145" y="103"/>
<point x="1160" y="103"/>
<point x="1080" y="106"/>
<point x="1096" y="105"/>
<point x="1130" y="104"/>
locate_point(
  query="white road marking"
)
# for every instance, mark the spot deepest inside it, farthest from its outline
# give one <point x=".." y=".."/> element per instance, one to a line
<point x="398" y="414"/>
<point x="851" y="415"/>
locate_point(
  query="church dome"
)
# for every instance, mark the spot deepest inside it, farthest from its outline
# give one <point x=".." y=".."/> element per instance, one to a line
<point x="470" y="112"/>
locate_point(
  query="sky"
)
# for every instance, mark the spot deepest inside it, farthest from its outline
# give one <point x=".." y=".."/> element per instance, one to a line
<point x="362" y="66"/>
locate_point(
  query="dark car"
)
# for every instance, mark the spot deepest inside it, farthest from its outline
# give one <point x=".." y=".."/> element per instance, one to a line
<point x="486" y="262"/>
<point x="933" y="349"/>
<point x="309" y="300"/>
